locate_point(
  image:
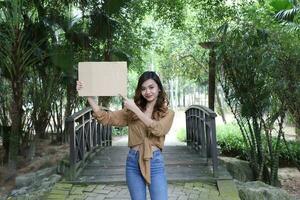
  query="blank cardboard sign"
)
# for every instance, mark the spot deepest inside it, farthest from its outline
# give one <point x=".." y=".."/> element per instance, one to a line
<point x="103" y="78"/>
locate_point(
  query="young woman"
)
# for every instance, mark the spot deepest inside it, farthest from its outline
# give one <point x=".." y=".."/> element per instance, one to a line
<point x="149" y="120"/>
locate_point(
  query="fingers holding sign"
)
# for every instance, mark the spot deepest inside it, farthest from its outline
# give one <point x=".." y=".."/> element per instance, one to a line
<point x="129" y="103"/>
<point x="79" y="85"/>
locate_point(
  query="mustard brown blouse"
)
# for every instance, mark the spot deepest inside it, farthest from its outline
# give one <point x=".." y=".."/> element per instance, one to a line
<point x="140" y="134"/>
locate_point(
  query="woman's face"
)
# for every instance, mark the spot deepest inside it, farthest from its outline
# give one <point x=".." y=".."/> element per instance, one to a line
<point x="150" y="90"/>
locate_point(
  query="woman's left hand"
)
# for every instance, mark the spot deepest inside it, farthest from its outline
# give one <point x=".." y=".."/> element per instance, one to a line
<point x="130" y="104"/>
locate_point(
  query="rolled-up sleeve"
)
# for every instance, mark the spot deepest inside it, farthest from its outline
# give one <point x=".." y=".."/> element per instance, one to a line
<point x="113" y="118"/>
<point x="161" y="127"/>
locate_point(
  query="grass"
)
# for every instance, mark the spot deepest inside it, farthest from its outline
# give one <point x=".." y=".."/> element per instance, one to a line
<point x="222" y="132"/>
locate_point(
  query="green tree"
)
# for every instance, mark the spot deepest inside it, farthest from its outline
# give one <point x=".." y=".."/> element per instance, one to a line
<point x="288" y="12"/>
<point x="17" y="54"/>
<point x="254" y="54"/>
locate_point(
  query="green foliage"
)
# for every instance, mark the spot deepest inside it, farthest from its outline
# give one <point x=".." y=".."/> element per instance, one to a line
<point x="253" y="60"/>
<point x="290" y="155"/>
<point x="279" y="5"/>
<point x="132" y="83"/>
<point x="171" y="11"/>
<point x="230" y="139"/>
<point x="119" y="131"/>
<point x="114" y="6"/>
<point x="181" y="135"/>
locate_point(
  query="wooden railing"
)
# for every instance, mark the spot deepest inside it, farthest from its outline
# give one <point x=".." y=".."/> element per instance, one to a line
<point x="201" y="133"/>
<point x="86" y="137"/>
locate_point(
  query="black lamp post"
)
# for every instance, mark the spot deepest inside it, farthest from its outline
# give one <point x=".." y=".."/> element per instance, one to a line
<point x="211" y="72"/>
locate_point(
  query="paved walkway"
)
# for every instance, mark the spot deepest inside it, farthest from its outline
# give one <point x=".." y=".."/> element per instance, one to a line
<point x="176" y="191"/>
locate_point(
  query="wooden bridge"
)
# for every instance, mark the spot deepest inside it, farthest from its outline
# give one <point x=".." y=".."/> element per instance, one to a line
<point x="93" y="159"/>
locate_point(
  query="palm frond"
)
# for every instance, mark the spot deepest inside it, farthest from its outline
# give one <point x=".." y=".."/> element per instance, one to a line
<point x="287" y="15"/>
<point x="291" y="26"/>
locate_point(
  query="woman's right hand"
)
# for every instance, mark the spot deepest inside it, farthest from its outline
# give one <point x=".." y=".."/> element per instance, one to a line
<point x="79" y="85"/>
<point x="93" y="104"/>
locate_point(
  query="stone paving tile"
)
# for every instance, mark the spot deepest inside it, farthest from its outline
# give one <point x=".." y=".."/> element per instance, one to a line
<point x="176" y="191"/>
<point x="90" y="188"/>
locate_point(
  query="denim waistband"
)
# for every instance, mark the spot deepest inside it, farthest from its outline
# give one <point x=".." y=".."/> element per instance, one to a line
<point x="133" y="151"/>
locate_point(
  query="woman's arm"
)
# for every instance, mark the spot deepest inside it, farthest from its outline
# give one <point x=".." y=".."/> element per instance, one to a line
<point x="130" y="104"/>
<point x="93" y="104"/>
<point x="158" y="128"/>
<point x="143" y="117"/>
<point x="115" y="118"/>
<point x="162" y="127"/>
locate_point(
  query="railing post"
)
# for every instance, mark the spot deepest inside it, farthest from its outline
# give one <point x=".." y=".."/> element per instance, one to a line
<point x="100" y="132"/>
<point x="107" y="136"/>
<point x="110" y="135"/>
<point x="94" y="132"/>
<point x="70" y="128"/>
<point x="187" y="129"/>
<point x="198" y="132"/>
<point x="214" y="146"/>
<point x="203" y="131"/>
<point x="82" y="141"/>
<point x="90" y="132"/>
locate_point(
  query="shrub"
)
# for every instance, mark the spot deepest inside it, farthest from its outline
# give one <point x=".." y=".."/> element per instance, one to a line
<point x="289" y="158"/>
<point x="119" y="131"/>
<point x="181" y="135"/>
<point x="230" y="139"/>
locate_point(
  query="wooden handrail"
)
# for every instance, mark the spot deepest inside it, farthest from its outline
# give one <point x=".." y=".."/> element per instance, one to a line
<point x="201" y="132"/>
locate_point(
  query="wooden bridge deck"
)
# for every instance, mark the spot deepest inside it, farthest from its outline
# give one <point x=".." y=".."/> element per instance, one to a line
<point x="182" y="164"/>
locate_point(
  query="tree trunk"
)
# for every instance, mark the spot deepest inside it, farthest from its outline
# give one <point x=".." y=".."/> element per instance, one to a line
<point x="16" y="121"/>
<point x="212" y="79"/>
<point x="71" y="97"/>
<point x="5" y="132"/>
<point x="176" y="92"/>
<point x="172" y="102"/>
<point x="71" y="92"/>
<point x="183" y="97"/>
<point x="40" y="124"/>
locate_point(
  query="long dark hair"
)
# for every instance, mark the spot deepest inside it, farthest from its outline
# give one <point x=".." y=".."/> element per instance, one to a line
<point x="161" y="105"/>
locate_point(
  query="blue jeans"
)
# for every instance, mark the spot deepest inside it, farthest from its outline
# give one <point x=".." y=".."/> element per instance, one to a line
<point x="136" y="183"/>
